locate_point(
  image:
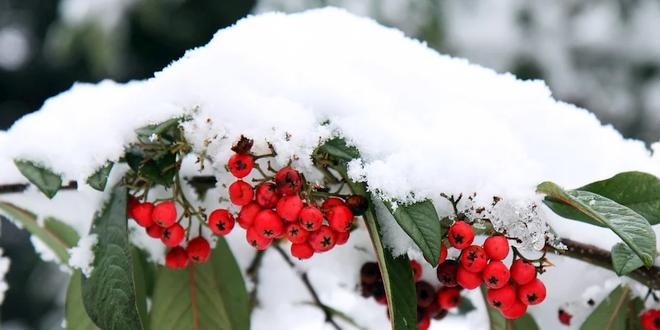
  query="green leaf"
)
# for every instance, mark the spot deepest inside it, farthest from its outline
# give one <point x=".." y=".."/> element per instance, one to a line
<point x="624" y="260"/>
<point x="635" y="308"/>
<point x="638" y="191"/>
<point x="611" y="313"/>
<point x="139" y="265"/>
<point x="632" y="228"/>
<point x="109" y="293"/>
<point x="203" y="296"/>
<point x="58" y="236"/>
<point x="99" y="179"/>
<point x="166" y="129"/>
<point x="526" y="322"/>
<point x="420" y="221"/>
<point x="158" y="168"/>
<point x="465" y="306"/>
<point x="47" y="181"/>
<point x="339" y="150"/>
<point x="74" y="311"/>
<point x="498" y="322"/>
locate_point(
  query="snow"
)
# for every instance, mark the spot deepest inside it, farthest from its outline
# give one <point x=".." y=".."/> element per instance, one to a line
<point x="424" y="123"/>
<point x="81" y="256"/>
<point x="4" y="268"/>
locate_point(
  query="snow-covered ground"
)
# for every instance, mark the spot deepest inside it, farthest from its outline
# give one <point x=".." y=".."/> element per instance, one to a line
<point x="425" y="123"/>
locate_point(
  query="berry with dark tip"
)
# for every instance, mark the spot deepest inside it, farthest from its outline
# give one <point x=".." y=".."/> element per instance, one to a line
<point x="650" y="319"/>
<point x="532" y="293"/>
<point x="357" y="204"/>
<point x="501" y="298"/>
<point x="256" y="240"/>
<point x="460" y="235"/>
<point x="449" y="297"/>
<point x="240" y="193"/>
<point x="176" y="258"/>
<point x="173" y="235"/>
<point x="221" y="222"/>
<point x="425" y="294"/>
<point x="446" y="273"/>
<point x="496" y="274"/>
<point x="268" y="224"/>
<point x="295" y="233"/>
<point x="155" y="231"/>
<point x="198" y="250"/>
<point x="323" y="239"/>
<point x="266" y="195"/>
<point x="564" y="317"/>
<point x="516" y="310"/>
<point x="340" y="218"/>
<point x="474" y="259"/>
<point x="369" y="273"/>
<point x="164" y="214"/>
<point x="288" y="181"/>
<point x="240" y="165"/>
<point x="311" y="218"/>
<point x="522" y="272"/>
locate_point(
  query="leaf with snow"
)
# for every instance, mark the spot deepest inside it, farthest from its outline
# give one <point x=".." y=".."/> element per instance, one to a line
<point x="632" y="228"/>
<point x="99" y="179"/>
<point x="46" y="180"/>
<point x="420" y="221"/>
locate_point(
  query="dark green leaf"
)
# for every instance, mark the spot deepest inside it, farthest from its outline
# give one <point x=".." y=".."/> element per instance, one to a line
<point x="139" y="277"/>
<point x="206" y="296"/>
<point x="337" y="149"/>
<point x="109" y="293"/>
<point x="166" y="129"/>
<point x="420" y="221"/>
<point x="157" y="168"/>
<point x="74" y="312"/>
<point x="47" y="181"/>
<point x="624" y="260"/>
<point x="611" y="313"/>
<point x="526" y="322"/>
<point x="635" y="308"/>
<point x="99" y="179"/>
<point x="465" y="306"/>
<point x="632" y="228"/>
<point x="58" y="236"/>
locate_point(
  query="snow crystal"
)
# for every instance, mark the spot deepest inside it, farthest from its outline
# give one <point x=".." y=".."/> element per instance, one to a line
<point x="82" y="256"/>
<point x="43" y="250"/>
<point x="4" y="268"/>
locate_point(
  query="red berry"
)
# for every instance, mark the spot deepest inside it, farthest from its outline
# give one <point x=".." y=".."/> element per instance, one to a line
<point x="323" y="239"/>
<point x="173" y="235"/>
<point x="330" y="203"/>
<point x="424" y="324"/>
<point x="288" y="181"/>
<point x="565" y="317"/>
<point x="302" y="251"/>
<point x="289" y="207"/>
<point x="340" y="218"/>
<point x="198" y="250"/>
<point x="467" y="279"/>
<point x="416" y="270"/>
<point x="496" y="274"/>
<point x="130" y="204"/>
<point x="474" y="258"/>
<point x="266" y="195"/>
<point x="255" y="239"/>
<point x="296" y="234"/>
<point x="311" y="218"/>
<point x="496" y="247"/>
<point x="268" y="224"/>
<point x="502" y="298"/>
<point x="247" y="214"/>
<point x="155" y="231"/>
<point x="240" y="193"/>
<point x="176" y="258"/>
<point x="460" y="235"/>
<point x="370" y="273"/>
<point x="532" y="293"/>
<point x="142" y="213"/>
<point x="443" y="253"/>
<point x="164" y="214"/>
<point x="446" y="273"/>
<point x="516" y="310"/>
<point x="522" y="272"/>
<point x="342" y="237"/>
<point x="650" y="319"/>
<point x="221" y="222"/>
<point x="240" y="165"/>
<point x="382" y="299"/>
<point x="357" y="204"/>
<point x="425" y="294"/>
<point x="449" y="297"/>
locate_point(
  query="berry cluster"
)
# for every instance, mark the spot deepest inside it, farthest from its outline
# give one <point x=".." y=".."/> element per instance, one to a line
<point x="160" y="221"/>
<point x="510" y="289"/>
<point x="650" y="319"/>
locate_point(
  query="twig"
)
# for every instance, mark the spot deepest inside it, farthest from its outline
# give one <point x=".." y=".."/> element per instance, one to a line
<point x="203" y="181"/>
<point x="305" y="279"/>
<point x="253" y="273"/>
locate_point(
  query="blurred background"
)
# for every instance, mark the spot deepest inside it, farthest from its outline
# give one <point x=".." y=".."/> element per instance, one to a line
<point x="601" y="55"/>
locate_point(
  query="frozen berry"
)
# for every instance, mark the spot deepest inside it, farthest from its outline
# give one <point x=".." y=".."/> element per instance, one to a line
<point x="443" y="253"/>
<point x="474" y="259"/>
<point x="247" y="214"/>
<point x="340" y="218"/>
<point x="164" y="214"/>
<point x="240" y="193"/>
<point x="369" y="273"/>
<point x="425" y="294"/>
<point x="650" y="319"/>
<point x="289" y="207"/>
<point x="176" y="258"/>
<point x="256" y="240"/>
<point x="460" y="235"/>
<point x="296" y="234"/>
<point x="446" y="273"/>
<point x="142" y="213"/>
<point x="342" y="237"/>
<point x="302" y="251"/>
<point x="496" y="247"/>
<point x="467" y="279"/>
<point x="173" y="235"/>
<point x="532" y="293"/>
<point x="311" y="218"/>
<point x="416" y="270"/>
<point x="266" y="195"/>
<point x="564" y="317"/>
<point x="449" y="297"/>
<point x="516" y="310"/>
<point x="198" y="250"/>
<point x="155" y="231"/>
<point x="330" y="203"/>
<point x="288" y="181"/>
<point x="357" y="204"/>
<point x="268" y="224"/>
<point x="221" y="222"/>
<point x="323" y="239"/>
<point x="240" y="165"/>
<point x="501" y="298"/>
<point x="496" y="274"/>
<point x="522" y="272"/>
